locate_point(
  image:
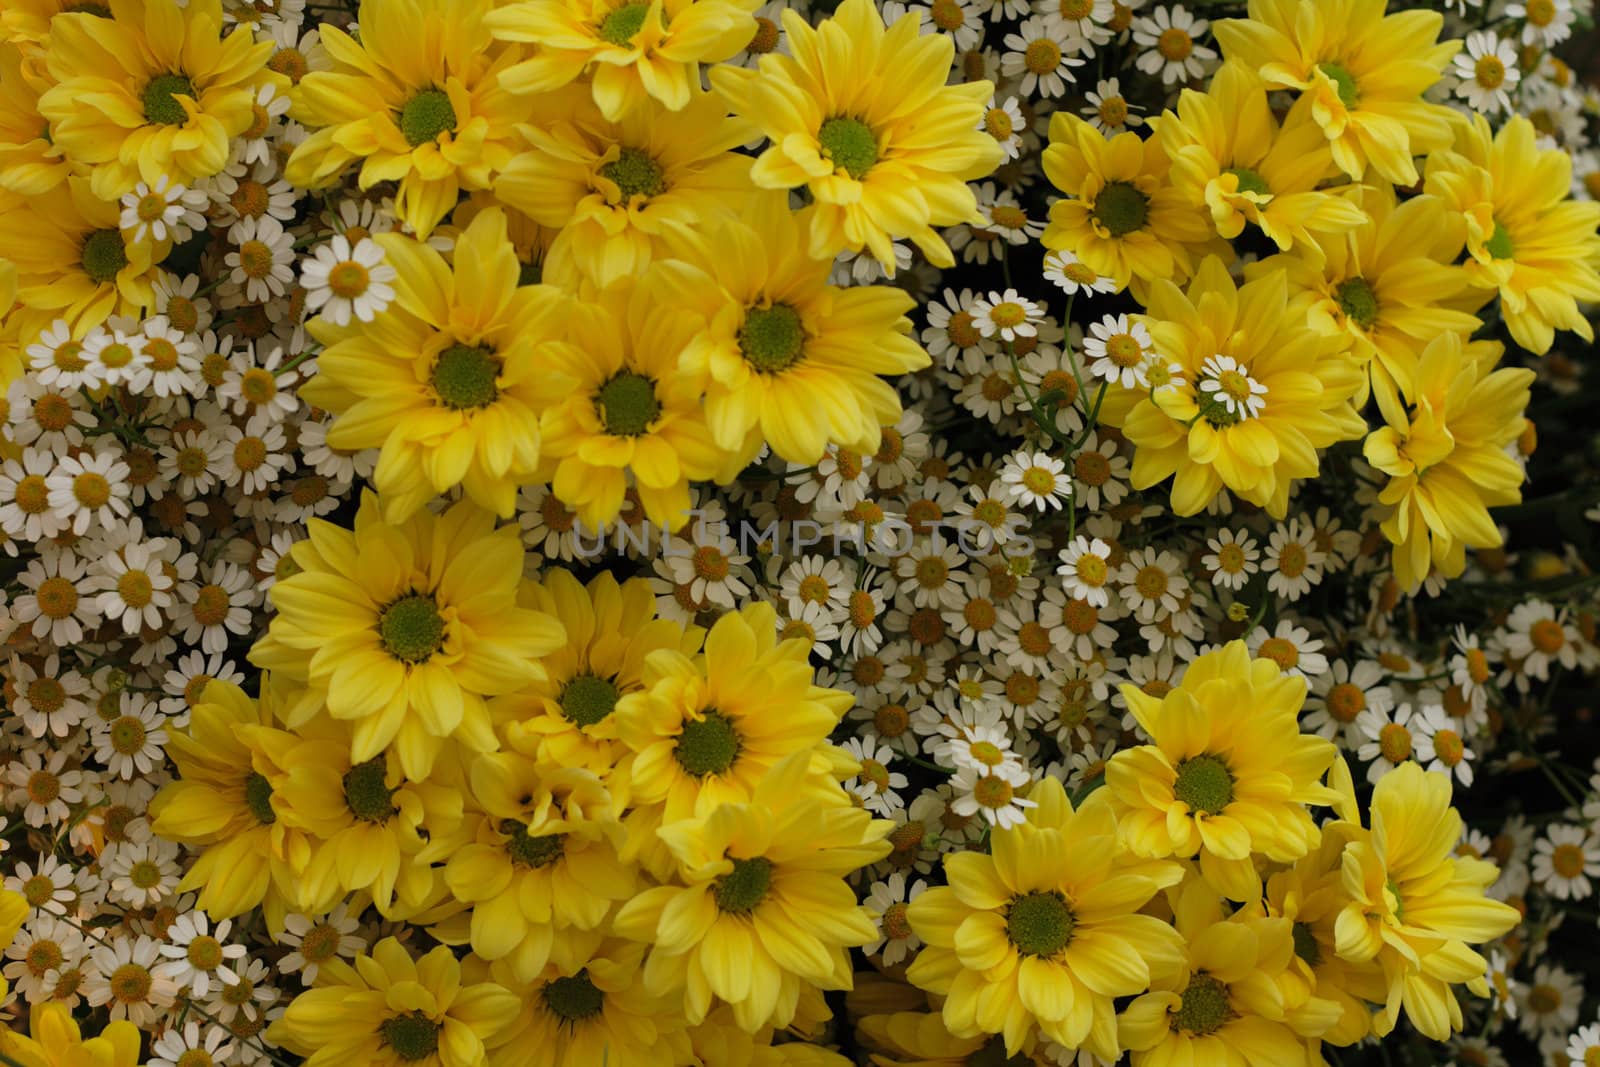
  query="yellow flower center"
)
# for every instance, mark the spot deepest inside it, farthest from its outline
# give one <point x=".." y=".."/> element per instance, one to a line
<point x="47" y="695"/>
<point x="1041" y="56"/>
<point x="1547" y="636"/>
<point x="1394" y="742"/>
<point x="255" y="259"/>
<point x="1540" y="12"/>
<point x="765" y="39"/>
<point x="348" y="279"/>
<point x="998" y="123"/>
<point x="946" y="14"/>
<point x="1292" y="560"/>
<point x="1346" y="701"/>
<point x="1448" y="747"/>
<point x="249" y="453"/>
<point x="57" y="597"/>
<point x="992" y="792"/>
<point x="1113" y="111"/>
<point x="1175" y="45"/>
<point x="1489" y="72"/>
<point x="130" y="983"/>
<point x="1567" y="860"/>
<point x="1280" y="651"/>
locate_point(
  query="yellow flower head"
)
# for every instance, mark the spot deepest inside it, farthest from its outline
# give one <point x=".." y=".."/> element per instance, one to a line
<point x="418" y="100"/>
<point x="862" y="117"/>
<point x="1361" y="73"/>
<point x="1446" y="460"/>
<point x="389" y="1009"/>
<point x="1047" y="930"/>
<point x="1227" y="775"/>
<point x="1260" y="392"/>
<point x="1121" y="216"/>
<point x="1414" y="906"/>
<point x="54" y="1040"/>
<point x="637" y="49"/>
<point x="760" y="905"/>
<point x="29" y="163"/>
<point x="617" y="191"/>
<point x="1525" y="236"/>
<point x="404" y="629"/>
<point x="450" y="378"/>
<point x="154" y="91"/>
<point x="778" y="337"/>
<point x="1229" y="156"/>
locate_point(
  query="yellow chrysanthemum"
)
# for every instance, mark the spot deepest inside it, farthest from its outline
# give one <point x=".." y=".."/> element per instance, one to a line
<point x="566" y="718"/>
<point x="30" y="163"/>
<point x="1389" y="285"/>
<point x="1260" y="392"/>
<point x="391" y="1009"/>
<point x="449" y="380"/>
<point x="404" y="629"/>
<point x="1446" y="460"/>
<point x="418" y="100"/>
<point x="861" y="116"/>
<point x="592" y="1010"/>
<point x="921" y="1039"/>
<point x="1362" y="71"/>
<point x="760" y="905"/>
<point x="1227" y="775"/>
<point x="617" y="191"/>
<point x="1525" y="236"/>
<point x="1121" y="216"/>
<point x="635" y="50"/>
<point x="73" y="262"/>
<point x="1414" y="906"/>
<point x="791" y="360"/>
<point x="154" y="91"/>
<point x="54" y="1040"/>
<point x="1045" y="931"/>
<point x="222" y="804"/>
<point x="541" y="860"/>
<point x="1222" y="1007"/>
<point x="1229" y="156"/>
<point x="630" y="408"/>
<point x="710" y="728"/>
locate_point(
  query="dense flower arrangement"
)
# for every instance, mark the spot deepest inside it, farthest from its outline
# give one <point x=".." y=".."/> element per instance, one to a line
<point x="556" y="533"/>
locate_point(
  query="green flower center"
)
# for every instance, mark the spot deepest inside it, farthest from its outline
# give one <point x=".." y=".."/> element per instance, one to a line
<point x="426" y="116"/>
<point x="1358" y="302"/>
<point x="366" y="791"/>
<point x="104" y="256"/>
<point x="1040" y="924"/>
<point x="1249" y="181"/>
<point x="745" y="886"/>
<point x="707" y="745"/>
<point x="412" y="628"/>
<point x="1500" y="245"/>
<point x="1204" y="783"/>
<point x="532" y="850"/>
<point x="635" y="173"/>
<point x="258" y="798"/>
<point x="772" y="338"/>
<point x="1121" y="208"/>
<point x="849" y="143"/>
<point x="574" y="999"/>
<point x="413" y="1036"/>
<point x="1205" y="1006"/>
<point x="587" y="699"/>
<point x="1305" y="944"/>
<point x="1344" y="81"/>
<point x="623" y="24"/>
<point x="160" y="105"/>
<point x="627" y="404"/>
<point x="464" y="377"/>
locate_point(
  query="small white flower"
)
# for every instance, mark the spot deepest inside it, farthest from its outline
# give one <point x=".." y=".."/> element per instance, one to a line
<point x="342" y="281"/>
<point x="1008" y="315"/>
<point x="1488" y="71"/>
<point x="1041" y="55"/>
<point x="1120" y="350"/>
<point x="1169" y="37"/>
<point x="1227" y="391"/>
<point x="1085" y="570"/>
<point x="1036" y="479"/>
<point x="162" y="211"/>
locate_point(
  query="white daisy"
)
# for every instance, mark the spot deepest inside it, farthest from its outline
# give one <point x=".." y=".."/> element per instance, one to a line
<point x="342" y="280"/>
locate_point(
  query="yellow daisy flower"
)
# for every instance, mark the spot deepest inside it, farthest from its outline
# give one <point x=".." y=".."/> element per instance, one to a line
<point x="1525" y="236"/>
<point x="154" y="91"/>
<point x="404" y="629"/>
<point x="1045" y="931"/>
<point x="30" y="163"/>
<point x="861" y="116"/>
<point x="541" y="860"/>
<point x="792" y="360"/>
<point x="1414" y="907"/>
<point x="1260" y="392"/>
<point x="1121" y="216"/>
<point x="711" y="727"/>
<point x="449" y="380"/>
<point x="389" y="1008"/>
<point x="566" y="717"/>
<point x="634" y="51"/>
<point x="1389" y="286"/>
<point x="629" y="408"/>
<point x="1363" y="73"/>
<point x="54" y="1040"/>
<point x="762" y="905"/>
<point x="1446" y="460"/>
<point x="1229" y="156"/>
<point x="222" y="804"/>
<point x="921" y="1039"/>
<point x="418" y="100"/>
<point x="1227" y="775"/>
<point x="617" y="190"/>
